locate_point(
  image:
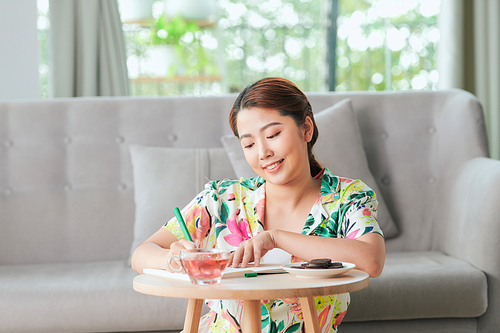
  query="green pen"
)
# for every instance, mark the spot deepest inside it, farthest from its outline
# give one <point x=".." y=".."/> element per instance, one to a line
<point x="185" y="231"/>
<point x="254" y="274"/>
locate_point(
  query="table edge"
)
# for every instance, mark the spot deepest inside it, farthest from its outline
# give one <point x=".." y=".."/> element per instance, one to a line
<point x="211" y="293"/>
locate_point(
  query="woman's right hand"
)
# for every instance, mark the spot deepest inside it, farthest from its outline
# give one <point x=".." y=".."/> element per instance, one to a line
<point x="175" y="250"/>
<point x="157" y="249"/>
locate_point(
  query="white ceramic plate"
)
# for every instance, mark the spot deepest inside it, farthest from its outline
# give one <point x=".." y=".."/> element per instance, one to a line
<point x="317" y="273"/>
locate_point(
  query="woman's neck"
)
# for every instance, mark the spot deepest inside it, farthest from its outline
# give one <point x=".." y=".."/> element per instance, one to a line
<point x="290" y="196"/>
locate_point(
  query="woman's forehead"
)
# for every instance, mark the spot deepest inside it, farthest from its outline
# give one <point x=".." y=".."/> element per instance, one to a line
<point x="254" y="115"/>
<point x="257" y="119"/>
<point x="259" y="113"/>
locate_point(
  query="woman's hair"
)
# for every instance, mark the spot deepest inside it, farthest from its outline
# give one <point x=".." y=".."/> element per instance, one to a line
<point x="282" y="95"/>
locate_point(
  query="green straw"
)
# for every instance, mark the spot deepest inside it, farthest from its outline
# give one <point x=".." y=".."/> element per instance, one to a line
<point x="185" y="231"/>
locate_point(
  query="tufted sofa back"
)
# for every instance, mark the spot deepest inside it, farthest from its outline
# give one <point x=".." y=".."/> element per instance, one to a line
<point x="66" y="187"/>
<point x="416" y="144"/>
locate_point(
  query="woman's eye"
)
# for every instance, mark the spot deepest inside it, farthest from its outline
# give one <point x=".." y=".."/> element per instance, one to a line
<point x="274" y="135"/>
<point x="248" y="146"/>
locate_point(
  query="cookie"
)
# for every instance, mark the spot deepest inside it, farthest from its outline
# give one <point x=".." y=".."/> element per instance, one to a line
<point x="317" y="266"/>
<point x="336" y="265"/>
<point x="320" y="261"/>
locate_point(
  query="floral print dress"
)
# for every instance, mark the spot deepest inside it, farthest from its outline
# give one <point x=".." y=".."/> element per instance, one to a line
<point x="228" y="212"/>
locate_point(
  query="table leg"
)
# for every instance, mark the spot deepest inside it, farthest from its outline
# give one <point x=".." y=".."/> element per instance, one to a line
<point x="251" y="316"/>
<point x="193" y="314"/>
<point x="311" y="321"/>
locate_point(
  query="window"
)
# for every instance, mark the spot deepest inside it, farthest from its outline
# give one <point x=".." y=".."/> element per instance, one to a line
<point x="379" y="45"/>
<point x="43" y="25"/>
<point x="274" y="38"/>
<point x="251" y="39"/>
<point x="172" y="56"/>
<point x="387" y="44"/>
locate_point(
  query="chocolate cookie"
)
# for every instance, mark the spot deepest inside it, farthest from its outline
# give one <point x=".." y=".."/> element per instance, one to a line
<point x="317" y="266"/>
<point x="336" y="265"/>
<point x="321" y="263"/>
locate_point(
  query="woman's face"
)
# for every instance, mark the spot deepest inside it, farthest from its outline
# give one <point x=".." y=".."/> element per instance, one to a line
<point x="274" y="146"/>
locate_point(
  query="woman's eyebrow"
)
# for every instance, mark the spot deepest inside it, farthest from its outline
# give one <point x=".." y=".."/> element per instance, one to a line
<point x="274" y="123"/>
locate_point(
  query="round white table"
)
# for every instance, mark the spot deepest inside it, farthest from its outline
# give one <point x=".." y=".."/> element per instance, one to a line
<point x="251" y="291"/>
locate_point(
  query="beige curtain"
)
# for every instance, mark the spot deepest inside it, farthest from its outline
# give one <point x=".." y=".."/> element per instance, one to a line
<point x="87" y="49"/>
<point x="469" y="56"/>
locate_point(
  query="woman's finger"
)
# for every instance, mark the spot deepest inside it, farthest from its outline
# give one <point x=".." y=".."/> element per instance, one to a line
<point x="237" y="255"/>
<point x="187" y="244"/>
<point x="230" y="261"/>
<point x="248" y="254"/>
<point x="262" y="243"/>
<point x="257" y="254"/>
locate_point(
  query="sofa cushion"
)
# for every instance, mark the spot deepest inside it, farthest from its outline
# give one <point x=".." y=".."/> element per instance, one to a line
<point x="339" y="147"/>
<point x="165" y="178"/>
<point x="81" y="297"/>
<point x="417" y="285"/>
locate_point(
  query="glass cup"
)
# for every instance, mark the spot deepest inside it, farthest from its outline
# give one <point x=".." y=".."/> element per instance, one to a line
<point x="204" y="266"/>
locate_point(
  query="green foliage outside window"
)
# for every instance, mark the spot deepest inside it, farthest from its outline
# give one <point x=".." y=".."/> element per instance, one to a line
<point x="387" y="45"/>
<point x="185" y="37"/>
<point x="274" y="38"/>
<point x="380" y="45"/>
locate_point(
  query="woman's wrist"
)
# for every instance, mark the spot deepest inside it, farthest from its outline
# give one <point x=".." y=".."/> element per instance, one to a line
<point x="274" y="235"/>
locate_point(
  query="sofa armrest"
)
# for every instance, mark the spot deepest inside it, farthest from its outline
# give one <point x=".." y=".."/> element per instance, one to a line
<point x="471" y="227"/>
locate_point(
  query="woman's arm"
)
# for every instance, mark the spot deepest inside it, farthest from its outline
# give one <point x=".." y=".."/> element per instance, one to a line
<point x="157" y="249"/>
<point x="367" y="252"/>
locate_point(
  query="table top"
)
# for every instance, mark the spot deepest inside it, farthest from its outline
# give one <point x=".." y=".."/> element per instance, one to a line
<point x="255" y="288"/>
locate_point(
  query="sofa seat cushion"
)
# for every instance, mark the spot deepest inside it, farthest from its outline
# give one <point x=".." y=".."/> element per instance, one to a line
<point x="81" y="297"/>
<point x="417" y="285"/>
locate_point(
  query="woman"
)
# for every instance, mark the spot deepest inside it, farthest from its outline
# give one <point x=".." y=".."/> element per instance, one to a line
<point x="294" y="205"/>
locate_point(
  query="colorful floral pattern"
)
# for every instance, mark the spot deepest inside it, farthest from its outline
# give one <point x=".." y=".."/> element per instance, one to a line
<point x="228" y="212"/>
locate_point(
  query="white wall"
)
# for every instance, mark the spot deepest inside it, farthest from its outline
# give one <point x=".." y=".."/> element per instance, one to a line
<point x="19" y="77"/>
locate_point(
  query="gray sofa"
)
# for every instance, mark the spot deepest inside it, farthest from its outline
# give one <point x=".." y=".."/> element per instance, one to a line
<point x="67" y="209"/>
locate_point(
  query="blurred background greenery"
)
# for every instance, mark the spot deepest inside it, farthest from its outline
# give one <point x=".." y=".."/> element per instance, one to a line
<point x="378" y="45"/>
<point x="387" y="45"/>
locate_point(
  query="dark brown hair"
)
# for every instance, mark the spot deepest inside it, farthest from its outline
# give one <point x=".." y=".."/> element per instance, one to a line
<point x="278" y="94"/>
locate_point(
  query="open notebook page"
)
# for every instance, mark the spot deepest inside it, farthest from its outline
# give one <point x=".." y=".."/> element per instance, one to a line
<point x="228" y="272"/>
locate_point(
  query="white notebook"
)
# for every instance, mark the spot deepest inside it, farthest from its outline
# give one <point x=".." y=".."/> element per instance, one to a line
<point x="228" y="272"/>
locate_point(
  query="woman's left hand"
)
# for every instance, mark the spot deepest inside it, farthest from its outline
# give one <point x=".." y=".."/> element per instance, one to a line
<point x="253" y="249"/>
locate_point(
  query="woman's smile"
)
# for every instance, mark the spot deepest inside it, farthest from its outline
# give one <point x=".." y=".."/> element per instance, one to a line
<point x="274" y="167"/>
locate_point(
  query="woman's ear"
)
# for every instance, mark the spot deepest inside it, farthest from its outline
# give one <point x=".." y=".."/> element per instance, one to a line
<point x="308" y="129"/>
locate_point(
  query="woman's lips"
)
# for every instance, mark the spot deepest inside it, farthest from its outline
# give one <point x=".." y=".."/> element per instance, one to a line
<point x="274" y="167"/>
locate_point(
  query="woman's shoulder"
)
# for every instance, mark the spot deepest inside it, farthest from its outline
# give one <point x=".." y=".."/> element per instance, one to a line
<point x="345" y="186"/>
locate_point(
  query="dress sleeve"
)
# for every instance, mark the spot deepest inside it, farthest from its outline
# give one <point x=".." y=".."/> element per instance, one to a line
<point x="198" y="219"/>
<point x="358" y="210"/>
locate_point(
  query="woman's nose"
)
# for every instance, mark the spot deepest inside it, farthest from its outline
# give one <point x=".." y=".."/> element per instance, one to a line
<point x="264" y="151"/>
